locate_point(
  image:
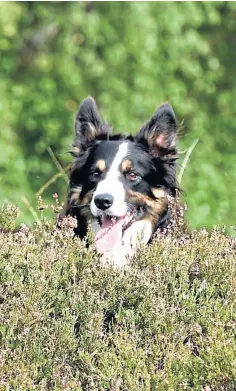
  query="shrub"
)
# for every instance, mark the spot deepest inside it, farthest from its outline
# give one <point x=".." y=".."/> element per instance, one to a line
<point x="165" y="323"/>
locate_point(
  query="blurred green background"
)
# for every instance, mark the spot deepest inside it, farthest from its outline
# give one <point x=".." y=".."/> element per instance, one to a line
<point x="130" y="56"/>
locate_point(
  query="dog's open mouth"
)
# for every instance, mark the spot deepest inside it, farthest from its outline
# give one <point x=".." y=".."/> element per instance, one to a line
<point x="111" y="230"/>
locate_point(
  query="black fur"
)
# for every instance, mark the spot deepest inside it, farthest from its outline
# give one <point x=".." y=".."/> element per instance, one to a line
<point x="153" y="152"/>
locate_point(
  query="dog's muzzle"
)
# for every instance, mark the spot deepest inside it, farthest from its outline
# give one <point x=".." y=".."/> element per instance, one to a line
<point x="112" y="228"/>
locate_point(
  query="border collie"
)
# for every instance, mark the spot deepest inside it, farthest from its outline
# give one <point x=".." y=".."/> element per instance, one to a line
<point x="120" y="184"/>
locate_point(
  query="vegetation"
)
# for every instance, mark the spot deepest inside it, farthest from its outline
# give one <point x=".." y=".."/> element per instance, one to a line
<point x="166" y="323"/>
<point x="131" y="57"/>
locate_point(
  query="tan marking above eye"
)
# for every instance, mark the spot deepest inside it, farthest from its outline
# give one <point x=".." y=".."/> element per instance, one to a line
<point x="158" y="193"/>
<point x="126" y="165"/>
<point x="101" y="165"/>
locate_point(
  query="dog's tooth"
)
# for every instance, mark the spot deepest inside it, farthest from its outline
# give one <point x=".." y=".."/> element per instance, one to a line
<point x="113" y="219"/>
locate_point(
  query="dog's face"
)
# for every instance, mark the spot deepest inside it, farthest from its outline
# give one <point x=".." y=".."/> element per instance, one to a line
<point x="118" y="180"/>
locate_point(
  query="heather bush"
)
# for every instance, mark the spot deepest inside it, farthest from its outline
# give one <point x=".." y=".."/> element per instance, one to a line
<point x="165" y="323"/>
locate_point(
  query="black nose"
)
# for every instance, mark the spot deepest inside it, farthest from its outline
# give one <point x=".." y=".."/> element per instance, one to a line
<point x="104" y="201"/>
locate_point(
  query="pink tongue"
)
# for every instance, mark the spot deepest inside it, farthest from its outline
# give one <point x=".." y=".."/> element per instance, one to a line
<point x="109" y="234"/>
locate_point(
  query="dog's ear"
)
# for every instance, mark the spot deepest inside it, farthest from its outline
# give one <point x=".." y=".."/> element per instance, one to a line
<point x="88" y="124"/>
<point x="160" y="133"/>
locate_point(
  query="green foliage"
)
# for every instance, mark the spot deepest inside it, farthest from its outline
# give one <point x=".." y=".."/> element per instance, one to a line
<point x="131" y="57"/>
<point x="8" y="215"/>
<point x="165" y="323"/>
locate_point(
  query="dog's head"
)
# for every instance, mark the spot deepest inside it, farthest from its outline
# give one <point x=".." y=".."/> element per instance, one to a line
<point x="118" y="179"/>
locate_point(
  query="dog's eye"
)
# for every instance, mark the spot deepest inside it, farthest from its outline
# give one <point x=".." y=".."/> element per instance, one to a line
<point x="94" y="175"/>
<point x="131" y="176"/>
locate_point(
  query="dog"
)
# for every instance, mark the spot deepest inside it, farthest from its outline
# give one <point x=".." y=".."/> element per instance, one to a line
<point x="119" y="183"/>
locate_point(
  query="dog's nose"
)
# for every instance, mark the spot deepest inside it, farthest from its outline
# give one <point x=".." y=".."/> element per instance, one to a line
<point x="103" y="201"/>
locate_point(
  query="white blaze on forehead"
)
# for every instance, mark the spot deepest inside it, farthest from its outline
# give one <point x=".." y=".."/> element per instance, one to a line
<point x="121" y="154"/>
<point x="113" y="186"/>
